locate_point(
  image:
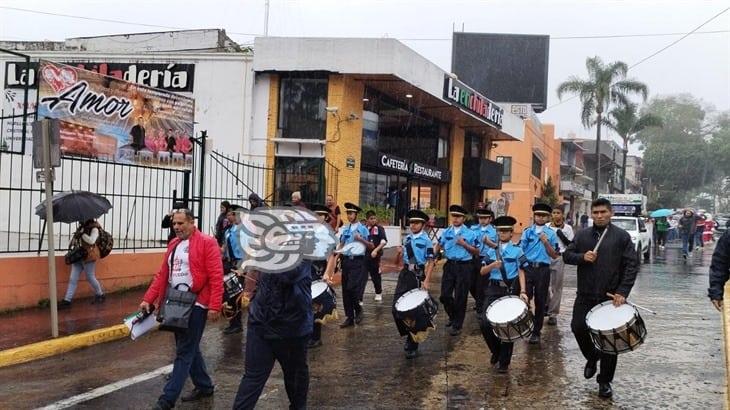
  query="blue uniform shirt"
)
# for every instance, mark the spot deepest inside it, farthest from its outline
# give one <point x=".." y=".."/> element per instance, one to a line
<point x="451" y="249"/>
<point x="532" y="246"/>
<point x="422" y="248"/>
<point x="234" y="249"/>
<point x="348" y="236"/>
<point x="481" y="231"/>
<point x="512" y="259"/>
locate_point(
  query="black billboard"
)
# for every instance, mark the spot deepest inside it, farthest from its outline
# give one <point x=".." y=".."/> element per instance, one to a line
<point x="504" y="67"/>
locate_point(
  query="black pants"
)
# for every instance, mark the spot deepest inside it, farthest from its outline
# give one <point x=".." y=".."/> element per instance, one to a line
<point x="260" y="356"/>
<point x="235" y="321"/>
<point x="537" y="280"/>
<point x="353" y="278"/>
<point x="477" y="285"/>
<point x="373" y="268"/>
<point x="407" y="280"/>
<point x="661" y="238"/>
<point x="317" y="332"/>
<point x="502" y="350"/>
<point x="580" y="329"/>
<point x="455" y="285"/>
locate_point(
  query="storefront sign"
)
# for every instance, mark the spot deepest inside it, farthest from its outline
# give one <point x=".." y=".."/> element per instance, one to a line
<point x="427" y="171"/>
<point x="111" y="119"/>
<point x="394" y="163"/>
<point x="415" y="169"/>
<point x="168" y="77"/>
<point x="464" y="97"/>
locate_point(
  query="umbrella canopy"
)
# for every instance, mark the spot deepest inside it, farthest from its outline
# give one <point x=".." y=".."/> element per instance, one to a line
<point x="75" y="206"/>
<point x="661" y="212"/>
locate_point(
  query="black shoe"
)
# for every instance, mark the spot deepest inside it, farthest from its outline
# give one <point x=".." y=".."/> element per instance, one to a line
<point x="358" y="316"/>
<point x="197" y="394"/>
<point x="502" y="368"/>
<point x="604" y="390"/>
<point x="411" y="354"/>
<point x="534" y="339"/>
<point x="590" y="370"/>
<point x="347" y="323"/>
<point x="552" y="321"/>
<point x="63" y="304"/>
<point x="313" y="344"/>
<point x="162" y="405"/>
<point x="98" y="299"/>
<point x="494" y="359"/>
<point x="455" y="331"/>
<point x="232" y="329"/>
<point x="449" y="323"/>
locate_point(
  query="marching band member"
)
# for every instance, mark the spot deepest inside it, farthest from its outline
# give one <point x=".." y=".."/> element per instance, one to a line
<point x="487" y="237"/>
<point x="503" y="274"/>
<point x="418" y="260"/>
<point x="320" y="270"/>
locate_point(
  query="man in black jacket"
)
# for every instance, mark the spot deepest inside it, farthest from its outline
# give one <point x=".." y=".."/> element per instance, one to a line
<point x="611" y="268"/>
<point x="719" y="270"/>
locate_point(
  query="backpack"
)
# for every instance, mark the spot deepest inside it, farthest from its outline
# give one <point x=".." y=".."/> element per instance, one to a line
<point x="105" y="243"/>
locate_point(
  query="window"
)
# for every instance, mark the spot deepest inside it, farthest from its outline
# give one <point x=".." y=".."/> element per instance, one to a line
<point x="302" y="103"/>
<point x="299" y="174"/>
<point x="506" y="168"/>
<point x="536" y="166"/>
<point x="443" y="153"/>
<point x="473" y="146"/>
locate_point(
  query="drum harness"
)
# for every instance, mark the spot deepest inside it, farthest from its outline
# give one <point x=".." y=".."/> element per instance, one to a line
<point x="509" y="284"/>
<point x="417" y="270"/>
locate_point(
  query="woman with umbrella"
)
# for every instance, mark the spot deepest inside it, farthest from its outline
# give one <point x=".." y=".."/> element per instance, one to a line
<point x="85" y="236"/>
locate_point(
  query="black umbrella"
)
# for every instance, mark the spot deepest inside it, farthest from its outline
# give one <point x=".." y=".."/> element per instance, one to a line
<point x="75" y="206"/>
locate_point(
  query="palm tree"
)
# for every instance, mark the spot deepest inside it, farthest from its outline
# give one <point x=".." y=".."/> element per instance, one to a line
<point x="626" y="121"/>
<point x="606" y="84"/>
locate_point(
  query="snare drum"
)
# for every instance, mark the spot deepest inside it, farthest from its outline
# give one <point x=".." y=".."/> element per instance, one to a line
<point x="615" y="330"/>
<point x="324" y="302"/>
<point x="232" y="286"/>
<point x="510" y="318"/>
<point x="416" y="309"/>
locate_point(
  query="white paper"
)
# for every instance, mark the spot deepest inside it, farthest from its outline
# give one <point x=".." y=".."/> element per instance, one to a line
<point x="140" y="328"/>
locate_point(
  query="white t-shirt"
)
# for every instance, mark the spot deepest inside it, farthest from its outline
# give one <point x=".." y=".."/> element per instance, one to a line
<point x="180" y="272"/>
<point x="567" y="231"/>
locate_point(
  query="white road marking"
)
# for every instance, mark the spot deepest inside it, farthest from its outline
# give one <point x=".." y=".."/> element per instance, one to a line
<point x="104" y="390"/>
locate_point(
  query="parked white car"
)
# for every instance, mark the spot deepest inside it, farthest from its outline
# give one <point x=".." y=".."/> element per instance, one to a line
<point x="640" y="235"/>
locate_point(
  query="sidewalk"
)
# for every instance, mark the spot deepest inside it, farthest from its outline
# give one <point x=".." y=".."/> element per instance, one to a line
<point x="34" y="325"/>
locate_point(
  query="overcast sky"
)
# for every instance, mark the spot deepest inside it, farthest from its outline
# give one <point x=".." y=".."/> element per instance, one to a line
<point x="699" y="64"/>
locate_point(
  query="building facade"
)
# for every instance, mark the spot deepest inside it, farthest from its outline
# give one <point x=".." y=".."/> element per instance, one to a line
<point x="576" y="186"/>
<point x="611" y="153"/>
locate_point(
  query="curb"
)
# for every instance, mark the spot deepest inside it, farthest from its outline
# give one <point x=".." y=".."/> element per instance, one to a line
<point x="47" y="348"/>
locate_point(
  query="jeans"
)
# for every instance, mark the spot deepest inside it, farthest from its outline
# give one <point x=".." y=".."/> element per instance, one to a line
<point x="188" y="360"/>
<point x="687" y="239"/>
<point x="260" y="356"/>
<point x="90" y="269"/>
<point x="698" y="237"/>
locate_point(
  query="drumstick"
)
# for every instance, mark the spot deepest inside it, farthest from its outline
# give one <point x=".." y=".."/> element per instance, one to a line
<point x="634" y="305"/>
<point x="600" y="240"/>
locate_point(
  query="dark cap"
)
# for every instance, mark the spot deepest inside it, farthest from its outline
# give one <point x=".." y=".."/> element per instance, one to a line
<point x="350" y="207"/>
<point x="484" y="212"/>
<point x="319" y="209"/>
<point x="505" y="223"/>
<point x="457" y="210"/>
<point x="540" y="208"/>
<point x="416" y="215"/>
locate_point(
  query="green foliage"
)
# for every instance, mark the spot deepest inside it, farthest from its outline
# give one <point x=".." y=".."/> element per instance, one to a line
<point x="435" y="212"/>
<point x="385" y="216"/>
<point x="549" y="193"/>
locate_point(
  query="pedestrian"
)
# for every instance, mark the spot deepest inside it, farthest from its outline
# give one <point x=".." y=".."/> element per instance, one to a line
<point x="460" y="245"/>
<point x="335" y="218"/>
<point x="418" y="258"/>
<point x="192" y="258"/>
<point x="719" y="270"/>
<point x="662" y="229"/>
<point x="296" y="199"/>
<point x="487" y="238"/>
<point x="584" y="221"/>
<point x="279" y="327"/>
<point x="402" y="206"/>
<point x="86" y="236"/>
<point x="255" y="201"/>
<point x="222" y="222"/>
<point x="233" y="256"/>
<point x="565" y="236"/>
<point x="353" y="245"/>
<point x="320" y="271"/>
<point x="540" y="245"/>
<point x="501" y="269"/>
<point x="686" y="232"/>
<point x="372" y="258"/>
<point x="612" y="268"/>
<point x="673" y="233"/>
<point x="699" y="231"/>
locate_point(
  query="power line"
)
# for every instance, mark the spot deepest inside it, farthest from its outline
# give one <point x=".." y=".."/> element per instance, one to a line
<point x="655" y="53"/>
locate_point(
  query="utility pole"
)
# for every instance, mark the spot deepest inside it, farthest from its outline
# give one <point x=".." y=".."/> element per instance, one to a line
<point x="45" y="131"/>
<point x="266" y="19"/>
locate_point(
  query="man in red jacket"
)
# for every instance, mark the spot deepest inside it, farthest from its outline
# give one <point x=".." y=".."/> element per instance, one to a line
<point x="192" y="258"/>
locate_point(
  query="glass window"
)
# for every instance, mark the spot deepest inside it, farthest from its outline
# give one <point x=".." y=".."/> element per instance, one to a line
<point x="506" y="168"/>
<point x="473" y="146"/>
<point x="299" y="174"/>
<point x="302" y="103"/>
<point x="536" y="166"/>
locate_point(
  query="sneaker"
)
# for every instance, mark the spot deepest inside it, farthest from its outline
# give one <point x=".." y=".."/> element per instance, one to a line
<point x="64" y="304"/>
<point x="411" y="354"/>
<point x="690" y="254"/>
<point x="503" y="368"/>
<point x="552" y="321"/>
<point x="98" y="299"/>
<point x="534" y="339"/>
<point x="313" y="344"/>
<point x="378" y="297"/>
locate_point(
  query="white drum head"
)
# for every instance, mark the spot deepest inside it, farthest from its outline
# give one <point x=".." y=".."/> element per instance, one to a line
<point x="608" y="317"/>
<point x="410" y="300"/>
<point x="318" y="287"/>
<point x="506" y="310"/>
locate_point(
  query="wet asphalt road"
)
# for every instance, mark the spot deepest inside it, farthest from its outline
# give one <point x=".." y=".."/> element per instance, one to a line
<point x="680" y="365"/>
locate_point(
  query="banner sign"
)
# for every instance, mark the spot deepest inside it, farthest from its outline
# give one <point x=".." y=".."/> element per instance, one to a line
<point x="462" y="96"/>
<point x="111" y="119"/>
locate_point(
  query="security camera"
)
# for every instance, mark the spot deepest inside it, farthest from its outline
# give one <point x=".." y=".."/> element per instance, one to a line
<point x="331" y="109"/>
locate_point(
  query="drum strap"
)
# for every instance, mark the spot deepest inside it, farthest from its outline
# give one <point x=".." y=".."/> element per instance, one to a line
<point x="410" y="253"/>
<point x="503" y="270"/>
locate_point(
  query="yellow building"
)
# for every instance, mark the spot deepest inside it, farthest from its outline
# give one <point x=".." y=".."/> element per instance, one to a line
<point x="526" y="167"/>
<point x="371" y="121"/>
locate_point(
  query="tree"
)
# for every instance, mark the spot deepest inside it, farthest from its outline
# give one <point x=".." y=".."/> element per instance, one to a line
<point x="549" y="194"/>
<point x="606" y="84"/>
<point x="626" y="121"/>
